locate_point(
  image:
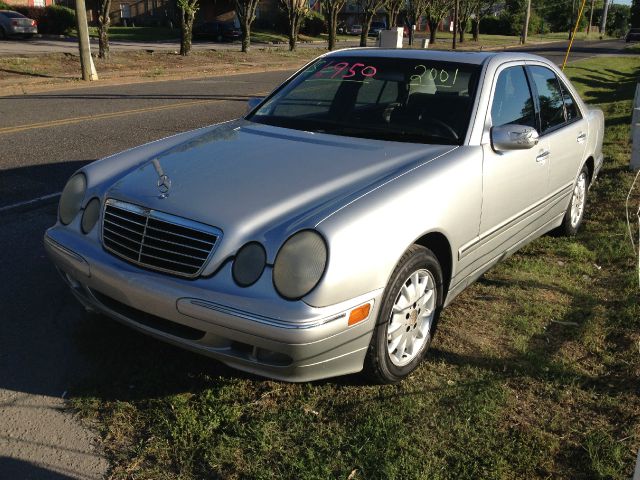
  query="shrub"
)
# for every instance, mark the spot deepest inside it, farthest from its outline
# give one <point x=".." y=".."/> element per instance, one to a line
<point x="313" y="24"/>
<point x="53" y="19"/>
<point x="495" y="25"/>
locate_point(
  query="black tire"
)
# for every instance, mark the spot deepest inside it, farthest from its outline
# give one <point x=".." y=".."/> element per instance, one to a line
<point x="570" y="225"/>
<point x="3" y="35"/>
<point x="379" y="365"/>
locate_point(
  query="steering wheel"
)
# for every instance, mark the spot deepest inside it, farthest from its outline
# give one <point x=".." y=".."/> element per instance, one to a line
<point x="441" y="125"/>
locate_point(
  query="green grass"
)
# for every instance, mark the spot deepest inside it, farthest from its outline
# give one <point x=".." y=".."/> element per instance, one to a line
<point x="533" y="374"/>
<point x="152" y="34"/>
<point x="264" y="36"/>
<point x="140" y="34"/>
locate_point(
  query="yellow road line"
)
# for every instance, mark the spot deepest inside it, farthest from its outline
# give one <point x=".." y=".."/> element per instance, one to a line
<point x="101" y="116"/>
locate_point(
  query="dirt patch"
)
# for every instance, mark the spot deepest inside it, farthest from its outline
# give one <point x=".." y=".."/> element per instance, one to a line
<point x="30" y="74"/>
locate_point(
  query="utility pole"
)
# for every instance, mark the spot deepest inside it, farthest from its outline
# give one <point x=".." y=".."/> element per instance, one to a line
<point x="603" y="21"/>
<point x="590" y="19"/>
<point x="86" y="63"/>
<point x="455" y="24"/>
<point x="525" y="27"/>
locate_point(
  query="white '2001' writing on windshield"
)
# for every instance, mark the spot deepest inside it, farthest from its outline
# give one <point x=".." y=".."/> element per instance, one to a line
<point x="429" y="76"/>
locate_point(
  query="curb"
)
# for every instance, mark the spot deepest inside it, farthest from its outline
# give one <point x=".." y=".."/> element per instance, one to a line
<point x="14" y="90"/>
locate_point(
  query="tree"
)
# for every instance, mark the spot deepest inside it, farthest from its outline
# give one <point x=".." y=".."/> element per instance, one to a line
<point x="618" y="21"/>
<point x="330" y="10"/>
<point x="466" y="8"/>
<point x="246" y="13"/>
<point x="188" y="9"/>
<point x="103" y="28"/>
<point x="415" y="10"/>
<point x="634" y="17"/>
<point x="393" y="8"/>
<point x="368" y="8"/>
<point x="296" y="11"/>
<point x="435" y="12"/>
<point x="482" y="9"/>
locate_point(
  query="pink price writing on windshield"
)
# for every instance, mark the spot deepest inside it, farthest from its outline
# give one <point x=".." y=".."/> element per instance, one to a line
<point x="346" y="70"/>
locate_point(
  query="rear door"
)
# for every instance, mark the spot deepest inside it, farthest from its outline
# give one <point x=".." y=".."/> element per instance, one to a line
<point x="564" y="128"/>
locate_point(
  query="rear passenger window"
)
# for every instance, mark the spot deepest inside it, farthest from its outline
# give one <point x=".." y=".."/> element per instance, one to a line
<point x="550" y="97"/>
<point x="512" y="100"/>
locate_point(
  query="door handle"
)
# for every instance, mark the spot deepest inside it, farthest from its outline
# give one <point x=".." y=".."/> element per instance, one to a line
<point x="542" y="157"/>
<point x="581" y="137"/>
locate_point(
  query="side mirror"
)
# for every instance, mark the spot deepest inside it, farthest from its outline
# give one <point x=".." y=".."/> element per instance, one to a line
<point x="253" y="103"/>
<point x="513" y="137"/>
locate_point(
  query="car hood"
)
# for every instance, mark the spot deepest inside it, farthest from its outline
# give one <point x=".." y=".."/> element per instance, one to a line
<point x="251" y="180"/>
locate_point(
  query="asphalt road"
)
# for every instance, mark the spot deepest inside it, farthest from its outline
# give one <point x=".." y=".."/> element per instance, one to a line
<point x="43" y="139"/>
<point x="35" y="46"/>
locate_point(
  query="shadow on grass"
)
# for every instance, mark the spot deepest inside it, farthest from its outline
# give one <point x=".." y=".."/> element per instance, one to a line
<point x="31" y="74"/>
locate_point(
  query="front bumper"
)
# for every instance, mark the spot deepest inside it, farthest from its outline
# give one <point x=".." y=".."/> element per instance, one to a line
<point x="287" y="340"/>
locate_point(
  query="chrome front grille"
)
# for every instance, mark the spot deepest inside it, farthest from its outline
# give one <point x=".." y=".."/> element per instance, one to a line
<point x="157" y="240"/>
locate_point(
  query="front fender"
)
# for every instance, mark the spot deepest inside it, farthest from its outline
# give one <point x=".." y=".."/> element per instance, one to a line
<point x="368" y="236"/>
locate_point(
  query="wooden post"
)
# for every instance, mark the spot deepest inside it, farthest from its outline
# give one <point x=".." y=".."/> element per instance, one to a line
<point x="525" y="27"/>
<point x="635" y="131"/>
<point x="86" y="63"/>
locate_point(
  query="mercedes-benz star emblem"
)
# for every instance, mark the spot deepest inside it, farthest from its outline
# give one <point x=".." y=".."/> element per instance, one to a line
<point x="164" y="184"/>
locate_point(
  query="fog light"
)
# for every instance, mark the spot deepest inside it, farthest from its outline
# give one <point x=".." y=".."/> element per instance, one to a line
<point x="249" y="264"/>
<point x="90" y="215"/>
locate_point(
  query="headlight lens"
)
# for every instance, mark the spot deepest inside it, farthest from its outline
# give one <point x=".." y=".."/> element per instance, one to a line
<point x="249" y="264"/>
<point x="90" y="215"/>
<point x="71" y="198"/>
<point x="299" y="264"/>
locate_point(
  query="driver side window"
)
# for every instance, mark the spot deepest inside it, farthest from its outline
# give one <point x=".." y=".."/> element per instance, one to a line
<point x="512" y="99"/>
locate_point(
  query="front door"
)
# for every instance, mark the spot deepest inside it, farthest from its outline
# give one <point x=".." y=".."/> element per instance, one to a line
<point x="514" y="182"/>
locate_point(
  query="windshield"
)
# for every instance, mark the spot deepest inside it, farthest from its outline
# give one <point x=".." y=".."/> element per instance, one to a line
<point x="398" y="99"/>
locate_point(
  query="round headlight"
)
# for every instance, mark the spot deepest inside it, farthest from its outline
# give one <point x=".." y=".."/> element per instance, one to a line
<point x="249" y="264"/>
<point x="90" y="215"/>
<point x="71" y="198"/>
<point x="299" y="264"/>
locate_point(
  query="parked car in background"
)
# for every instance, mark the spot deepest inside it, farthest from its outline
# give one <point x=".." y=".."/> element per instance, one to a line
<point x="323" y="233"/>
<point x="354" y="30"/>
<point x="633" y="35"/>
<point x="376" y="28"/>
<point x="14" y="24"/>
<point x="218" y="31"/>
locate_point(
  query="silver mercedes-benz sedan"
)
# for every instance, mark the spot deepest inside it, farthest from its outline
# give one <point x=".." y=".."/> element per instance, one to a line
<point x="323" y="233"/>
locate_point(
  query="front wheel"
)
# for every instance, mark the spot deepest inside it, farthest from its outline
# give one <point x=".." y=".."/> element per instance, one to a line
<point x="407" y="317"/>
<point x="575" y="211"/>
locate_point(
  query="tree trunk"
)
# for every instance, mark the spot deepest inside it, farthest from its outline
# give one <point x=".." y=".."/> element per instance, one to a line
<point x="461" y="32"/>
<point x="433" y="29"/>
<point x="246" y="36"/>
<point x="476" y="28"/>
<point x="186" y="28"/>
<point x="366" y="26"/>
<point x="103" y="29"/>
<point x="293" y="32"/>
<point x="332" y="24"/>
<point x="392" y="17"/>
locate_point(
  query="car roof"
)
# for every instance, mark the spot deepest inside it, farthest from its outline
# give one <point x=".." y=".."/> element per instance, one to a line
<point x="474" y="58"/>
